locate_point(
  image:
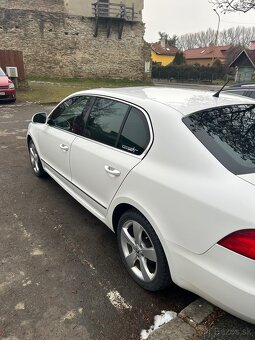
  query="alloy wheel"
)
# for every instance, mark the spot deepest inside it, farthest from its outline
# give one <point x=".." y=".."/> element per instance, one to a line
<point x="139" y="251"/>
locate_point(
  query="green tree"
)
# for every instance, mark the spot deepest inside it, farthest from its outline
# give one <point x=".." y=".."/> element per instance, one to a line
<point x="179" y="58"/>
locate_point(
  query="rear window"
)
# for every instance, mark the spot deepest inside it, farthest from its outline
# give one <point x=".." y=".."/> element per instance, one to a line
<point x="229" y="134"/>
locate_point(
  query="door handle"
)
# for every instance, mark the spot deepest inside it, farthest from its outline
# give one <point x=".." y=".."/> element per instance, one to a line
<point x="111" y="171"/>
<point x="64" y="147"/>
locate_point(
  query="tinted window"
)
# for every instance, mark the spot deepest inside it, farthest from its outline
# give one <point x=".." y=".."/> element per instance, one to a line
<point x="135" y="135"/>
<point x="229" y="134"/>
<point x="252" y="94"/>
<point x="104" y="120"/>
<point x="68" y="115"/>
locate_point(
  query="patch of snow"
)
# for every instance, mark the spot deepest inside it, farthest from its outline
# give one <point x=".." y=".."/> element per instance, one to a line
<point x="117" y="300"/>
<point x="26" y="282"/>
<point x="36" y="252"/>
<point x="20" y="306"/>
<point x="68" y="316"/>
<point x="159" y="320"/>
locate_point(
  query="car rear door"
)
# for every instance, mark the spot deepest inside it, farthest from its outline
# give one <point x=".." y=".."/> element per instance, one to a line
<point x="56" y="137"/>
<point x="114" y="141"/>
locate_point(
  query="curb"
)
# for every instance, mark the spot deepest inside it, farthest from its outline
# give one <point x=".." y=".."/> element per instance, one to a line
<point x="190" y="323"/>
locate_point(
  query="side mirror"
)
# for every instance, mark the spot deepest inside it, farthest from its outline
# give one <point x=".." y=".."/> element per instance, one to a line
<point x="39" y="117"/>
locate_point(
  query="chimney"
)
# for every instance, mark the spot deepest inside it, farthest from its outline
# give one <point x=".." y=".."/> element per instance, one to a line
<point x="211" y="47"/>
<point x="163" y="42"/>
<point x="252" y="45"/>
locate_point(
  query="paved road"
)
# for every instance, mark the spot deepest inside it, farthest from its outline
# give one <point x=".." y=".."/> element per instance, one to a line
<point x="60" y="273"/>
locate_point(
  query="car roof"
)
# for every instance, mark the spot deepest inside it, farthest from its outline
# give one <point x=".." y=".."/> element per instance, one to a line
<point x="184" y="101"/>
<point x="242" y="85"/>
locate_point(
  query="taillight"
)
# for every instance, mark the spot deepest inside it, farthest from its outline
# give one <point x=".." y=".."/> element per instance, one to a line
<point x="241" y="242"/>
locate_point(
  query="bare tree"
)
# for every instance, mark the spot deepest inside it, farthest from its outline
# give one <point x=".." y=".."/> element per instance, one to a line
<point x="236" y="36"/>
<point x="234" y="5"/>
<point x="172" y="41"/>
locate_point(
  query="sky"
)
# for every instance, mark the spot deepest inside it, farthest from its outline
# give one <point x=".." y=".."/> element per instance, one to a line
<point x="187" y="16"/>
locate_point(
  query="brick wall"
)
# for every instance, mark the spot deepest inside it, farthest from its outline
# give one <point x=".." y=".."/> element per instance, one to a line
<point x="60" y="45"/>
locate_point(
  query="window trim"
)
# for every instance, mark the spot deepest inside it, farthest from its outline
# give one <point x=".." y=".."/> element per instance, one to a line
<point x="84" y="112"/>
<point x="93" y="97"/>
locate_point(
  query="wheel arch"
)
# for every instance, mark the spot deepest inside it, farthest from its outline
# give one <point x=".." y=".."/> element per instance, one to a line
<point x="29" y="138"/>
<point x="119" y="210"/>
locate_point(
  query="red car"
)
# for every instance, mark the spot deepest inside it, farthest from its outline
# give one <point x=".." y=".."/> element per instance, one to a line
<point x="7" y="88"/>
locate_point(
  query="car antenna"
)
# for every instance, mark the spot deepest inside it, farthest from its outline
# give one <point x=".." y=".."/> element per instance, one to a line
<point x="217" y="94"/>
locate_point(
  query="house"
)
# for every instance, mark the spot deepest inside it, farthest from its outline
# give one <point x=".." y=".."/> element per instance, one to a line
<point x="206" y="55"/>
<point x="163" y="53"/>
<point x="244" y="64"/>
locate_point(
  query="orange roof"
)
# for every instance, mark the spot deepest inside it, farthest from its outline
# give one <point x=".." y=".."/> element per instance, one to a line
<point x="217" y="52"/>
<point x="167" y="50"/>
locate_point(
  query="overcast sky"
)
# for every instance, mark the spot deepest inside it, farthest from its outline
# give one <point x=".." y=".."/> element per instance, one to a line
<point x="187" y="16"/>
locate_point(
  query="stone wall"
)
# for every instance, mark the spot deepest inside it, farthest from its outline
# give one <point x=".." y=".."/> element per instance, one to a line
<point x="55" y="44"/>
<point x="39" y="5"/>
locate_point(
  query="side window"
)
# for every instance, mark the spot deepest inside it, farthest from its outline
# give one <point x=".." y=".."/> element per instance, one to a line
<point x="104" y="121"/>
<point x="68" y="115"/>
<point x="135" y="135"/>
<point x="252" y="94"/>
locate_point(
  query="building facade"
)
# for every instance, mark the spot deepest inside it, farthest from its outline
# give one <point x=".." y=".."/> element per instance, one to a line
<point x="162" y="53"/>
<point x="70" y="39"/>
<point x="206" y="56"/>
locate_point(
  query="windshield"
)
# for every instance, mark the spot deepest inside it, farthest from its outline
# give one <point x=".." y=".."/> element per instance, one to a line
<point x="2" y="73"/>
<point x="229" y="134"/>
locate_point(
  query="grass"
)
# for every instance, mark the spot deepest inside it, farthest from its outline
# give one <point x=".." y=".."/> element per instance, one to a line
<point x="52" y="90"/>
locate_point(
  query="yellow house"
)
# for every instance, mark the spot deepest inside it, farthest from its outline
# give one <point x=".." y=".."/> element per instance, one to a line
<point x="163" y="53"/>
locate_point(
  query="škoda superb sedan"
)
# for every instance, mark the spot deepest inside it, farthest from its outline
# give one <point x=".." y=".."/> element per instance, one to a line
<point x="172" y="173"/>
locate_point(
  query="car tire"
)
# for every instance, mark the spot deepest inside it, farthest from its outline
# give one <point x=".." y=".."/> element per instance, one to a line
<point x="142" y="252"/>
<point x="35" y="160"/>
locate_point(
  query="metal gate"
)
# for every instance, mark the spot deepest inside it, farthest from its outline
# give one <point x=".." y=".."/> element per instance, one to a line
<point x="13" y="59"/>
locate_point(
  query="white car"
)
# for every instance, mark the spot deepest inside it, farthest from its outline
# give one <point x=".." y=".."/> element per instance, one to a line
<point x="172" y="173"/>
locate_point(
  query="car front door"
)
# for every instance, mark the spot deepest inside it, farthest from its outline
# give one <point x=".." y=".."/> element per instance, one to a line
<point x="56" y="137"/>
<point x="113" y="143"/>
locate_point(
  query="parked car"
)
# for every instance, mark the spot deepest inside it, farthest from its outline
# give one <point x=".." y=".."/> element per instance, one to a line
<point x="172" y="173"/>
<point x="7" y="88"/>
<point x="244" y="89"/>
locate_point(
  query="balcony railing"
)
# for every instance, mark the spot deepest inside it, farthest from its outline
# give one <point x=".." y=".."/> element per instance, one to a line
<point x="113" y="11"/>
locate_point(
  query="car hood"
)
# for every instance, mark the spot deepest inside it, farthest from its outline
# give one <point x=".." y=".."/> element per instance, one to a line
<point x="4" y="81"/>
<point x="248" y="178"/>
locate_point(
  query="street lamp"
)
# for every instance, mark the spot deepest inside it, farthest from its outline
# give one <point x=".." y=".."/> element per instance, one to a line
<point x="217" y="32"/>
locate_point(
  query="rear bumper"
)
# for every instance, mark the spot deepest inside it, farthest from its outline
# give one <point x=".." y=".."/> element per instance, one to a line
<point x="7" y="94"/>
<point x="220" y="276"/>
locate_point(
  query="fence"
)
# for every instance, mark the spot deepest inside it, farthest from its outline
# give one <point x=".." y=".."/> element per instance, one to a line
<point x="187" y="73"/>
<point x="13" y="59"/>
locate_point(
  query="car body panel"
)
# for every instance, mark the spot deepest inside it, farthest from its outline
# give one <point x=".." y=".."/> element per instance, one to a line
<point x="50" y="140"/>
<point x="6" y="93"/>
<point x="88" y="161"/>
